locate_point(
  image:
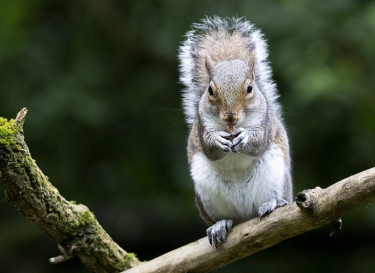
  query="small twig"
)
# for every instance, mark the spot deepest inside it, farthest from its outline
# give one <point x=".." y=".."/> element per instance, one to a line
<point x="64" y="257"/>
<point x="20" y="119"/>
<point x="59" y="259"/>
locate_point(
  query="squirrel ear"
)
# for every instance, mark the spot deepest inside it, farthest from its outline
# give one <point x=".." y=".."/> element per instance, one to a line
<point x="252" y="62"/>
<point x="209" y="65"/>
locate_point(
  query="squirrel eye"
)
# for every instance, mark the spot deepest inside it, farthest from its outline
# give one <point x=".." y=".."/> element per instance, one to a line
<point x="249" y="88"/>
<point x="210" y="91"/>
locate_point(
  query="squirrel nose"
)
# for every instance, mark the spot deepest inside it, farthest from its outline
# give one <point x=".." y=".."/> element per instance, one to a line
<point x="229" y="117"/>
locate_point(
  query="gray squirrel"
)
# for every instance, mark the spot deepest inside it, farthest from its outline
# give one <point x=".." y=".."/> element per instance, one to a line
<point x="238" y="149"/>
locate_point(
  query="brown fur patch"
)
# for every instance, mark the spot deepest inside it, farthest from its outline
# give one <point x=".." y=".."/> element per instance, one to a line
<point x="198" y="202"/>
<point x="281" y="139"/>
<point x="194" y="144"/>
<point x="219" y="45"/>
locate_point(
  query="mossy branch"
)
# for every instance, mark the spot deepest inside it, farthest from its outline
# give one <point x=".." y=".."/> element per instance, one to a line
<point x="77" y="231"/>
<point x="72" y="226"/>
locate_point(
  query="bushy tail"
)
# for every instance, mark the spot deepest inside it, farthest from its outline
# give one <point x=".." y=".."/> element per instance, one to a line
<point x="202" y="38"/>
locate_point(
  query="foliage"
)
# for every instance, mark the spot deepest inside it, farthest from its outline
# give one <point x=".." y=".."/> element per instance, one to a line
<point x="105" y="123"/>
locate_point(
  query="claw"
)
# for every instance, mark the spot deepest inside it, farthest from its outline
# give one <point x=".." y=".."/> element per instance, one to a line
<point x="219" y="231"/>
<point x="240" y="139"/>
<point x="270" y="206"/>
<point x="222" y="140"/>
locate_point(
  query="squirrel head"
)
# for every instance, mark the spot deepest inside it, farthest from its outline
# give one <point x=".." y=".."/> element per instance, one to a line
<point x="231" y="88"/>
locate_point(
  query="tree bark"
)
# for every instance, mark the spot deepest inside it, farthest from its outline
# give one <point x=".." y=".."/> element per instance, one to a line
<point x="72" y="226"/>
<point x="77" y="231"/>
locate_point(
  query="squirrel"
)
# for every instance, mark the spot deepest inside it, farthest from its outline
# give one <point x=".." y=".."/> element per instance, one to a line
<point x="238" y="148"/>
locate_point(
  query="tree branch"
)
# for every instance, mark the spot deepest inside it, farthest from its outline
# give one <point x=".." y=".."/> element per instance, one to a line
<point x="77" y="231"/>
<point x="72" y="226"/>
<point x="313" y="209"/>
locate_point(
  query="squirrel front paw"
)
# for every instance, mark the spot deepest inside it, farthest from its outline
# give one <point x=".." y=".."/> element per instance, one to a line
<point x="219" y="231"/>
<point x="240" y="139"/>
<point x="222" y="140"/>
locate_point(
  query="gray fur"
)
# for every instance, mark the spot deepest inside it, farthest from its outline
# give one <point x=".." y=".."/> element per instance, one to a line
<point x="191" y="70"/>
<point x="238" y="148"/>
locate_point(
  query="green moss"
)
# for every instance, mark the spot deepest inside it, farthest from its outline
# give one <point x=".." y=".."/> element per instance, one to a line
<point x="7" y="132"/>
<point x="130" y="257"/>
<point x="86" y="218"/>
<point x="126" y="262"/>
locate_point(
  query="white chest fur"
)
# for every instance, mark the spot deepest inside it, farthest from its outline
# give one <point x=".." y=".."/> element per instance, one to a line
<point x="235" y="186"/>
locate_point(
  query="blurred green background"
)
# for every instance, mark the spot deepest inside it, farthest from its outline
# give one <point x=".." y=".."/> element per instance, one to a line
<point x="105" y="123"/>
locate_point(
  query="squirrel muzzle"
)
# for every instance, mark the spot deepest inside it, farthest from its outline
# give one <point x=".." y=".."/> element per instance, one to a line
<point x="230" y="128"/>
<point x="231" y="120"/>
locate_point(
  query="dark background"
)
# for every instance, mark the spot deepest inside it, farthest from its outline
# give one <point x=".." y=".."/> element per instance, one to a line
<point x="105" y="122"/>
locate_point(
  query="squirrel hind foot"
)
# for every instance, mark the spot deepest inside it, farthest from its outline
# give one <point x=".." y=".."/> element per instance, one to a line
<point x="270" y="206"/>
<point x="219" y="231"/>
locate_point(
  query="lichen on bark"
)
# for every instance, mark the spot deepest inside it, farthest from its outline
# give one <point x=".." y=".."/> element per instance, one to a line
<point x="73" y="226"/>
